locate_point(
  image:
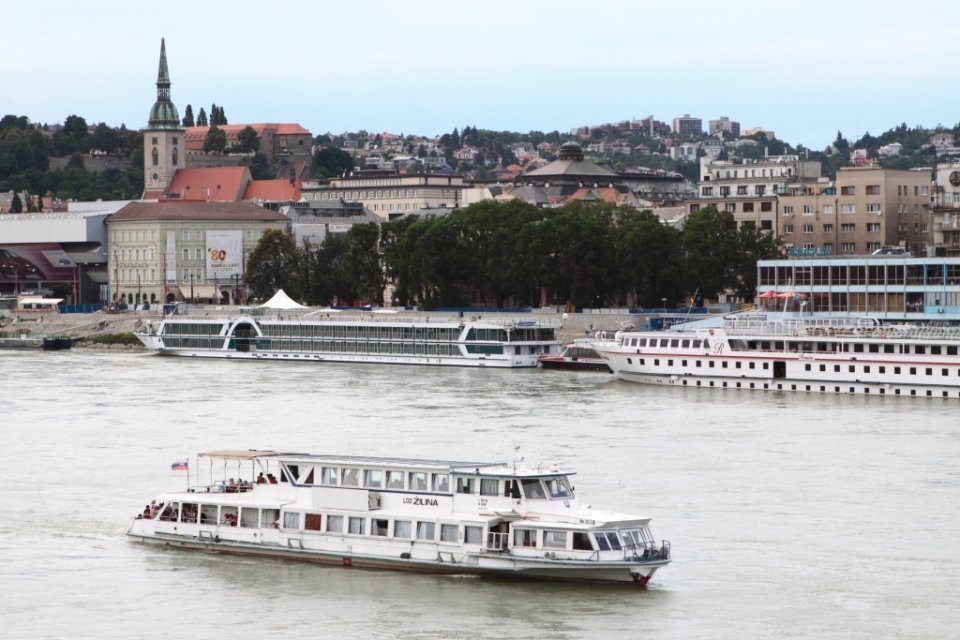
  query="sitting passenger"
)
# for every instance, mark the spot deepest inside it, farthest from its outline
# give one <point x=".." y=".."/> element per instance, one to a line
<point x="261" y="479"/>
<point x="271" y="478"/>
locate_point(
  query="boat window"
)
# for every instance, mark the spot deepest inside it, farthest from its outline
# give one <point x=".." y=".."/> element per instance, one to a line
<point x="293" y="471"/>
<point x="355" y="526"/>
<point x="613" y="539"/>
<point x="328" y="476"/>
<point x="208" y="514"/>
<point x="643" y="342"/>
<point x="291" y="520"/>
<point x="919" y="349"/>
<point x="309" y="478"/>
<point x="228" y="516"/>
<point x="511" y="489"/>
<point x="601" y="539"/>
<point x="674" y="343"/>
<point x="554" y="539"/>
<point x="581" y="541"/>
<point x="351" y="478"/>
<point x="935" y="350"/>
<point x="394" y="479"/>
<point x="401" y="529"/>
<point x="524" y="538"/>
<point x="313" y="522"/>
<point x="558" y="487"/>
<point x="379" y="527"/>
<point x="441" y="482"/>
<point x="489" y="486"/>
<point x="170" y="512"/>
<point x="250" y="517"/>
<point x="533" y="490"/>
<point x="448" y="532"/>
<point x="418" y="481"/>
<point x="334" y="524"/>
<point x="464" y="485"/>
<point x="373" y="478"/>
<point x="188" y="513"/>
<point x="685" y="343"/>
<point x="472" y="535"/>
<point x="426" y="531"/>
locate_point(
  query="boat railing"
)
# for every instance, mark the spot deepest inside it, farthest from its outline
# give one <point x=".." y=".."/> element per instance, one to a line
<point x="497" y="541"/>
<point x="839" y="327"/>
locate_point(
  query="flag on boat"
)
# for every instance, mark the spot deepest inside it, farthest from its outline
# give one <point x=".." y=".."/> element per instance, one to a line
<point x="179" y="465"/>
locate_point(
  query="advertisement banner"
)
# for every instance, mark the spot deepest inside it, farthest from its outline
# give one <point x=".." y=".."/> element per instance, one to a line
<point x="224" y="254"/>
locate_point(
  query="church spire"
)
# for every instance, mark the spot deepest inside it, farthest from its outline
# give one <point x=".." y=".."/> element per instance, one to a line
<point x="164" y="114"/>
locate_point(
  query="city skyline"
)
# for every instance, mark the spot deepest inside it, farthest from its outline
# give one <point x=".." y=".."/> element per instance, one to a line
<point x="420" y="68"/>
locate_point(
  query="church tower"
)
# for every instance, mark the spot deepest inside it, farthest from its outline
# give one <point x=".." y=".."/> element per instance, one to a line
<point x="163" y="137"/>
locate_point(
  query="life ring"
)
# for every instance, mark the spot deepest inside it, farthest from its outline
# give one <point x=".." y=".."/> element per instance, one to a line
<point x="795" y="334"/>
<point x="711" y="331"/>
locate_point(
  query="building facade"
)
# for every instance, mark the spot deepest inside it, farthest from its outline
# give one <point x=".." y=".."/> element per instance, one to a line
<point x="162" y="137"/>
<point x="945" y="210"/>
<point x="864" y="210"/>
<point x="389" y="194"/>
<point x="687" y="126"/>
<point x="184" y="251"/>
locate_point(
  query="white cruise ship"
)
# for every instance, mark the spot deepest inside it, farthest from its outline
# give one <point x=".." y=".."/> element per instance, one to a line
<point x="434" y="516"/>
<point x="822" y="355"/>
<point x="347" y="337"/>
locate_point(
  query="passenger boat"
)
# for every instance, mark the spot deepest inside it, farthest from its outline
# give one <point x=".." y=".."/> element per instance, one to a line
<point x="351" y="337"/>
<point x="56" y="344"/>
<point x="474" y="518"/>
<point x="785" y="353"/>
<point x="579" y="355"/>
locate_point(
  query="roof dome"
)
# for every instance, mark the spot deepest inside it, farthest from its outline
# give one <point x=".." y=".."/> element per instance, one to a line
<point x="571" y="151"/>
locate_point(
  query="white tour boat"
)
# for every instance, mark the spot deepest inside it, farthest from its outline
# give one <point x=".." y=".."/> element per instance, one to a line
<point x="433" y="516"/>
<point x="356" y="337"/>
<point x="753" y="351"/>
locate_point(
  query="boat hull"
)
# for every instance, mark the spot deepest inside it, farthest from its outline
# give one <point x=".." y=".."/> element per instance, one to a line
<point x="485" y="565"/>
<point x="574" y="365"/>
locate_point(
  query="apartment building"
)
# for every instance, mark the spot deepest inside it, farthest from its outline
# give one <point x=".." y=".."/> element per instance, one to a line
<point x="863" y="210"/>
<point x="945" y="210"/>
<point x="748" y="189"/>
<point x="389" y="194"/>
<point x="687" y="126"/>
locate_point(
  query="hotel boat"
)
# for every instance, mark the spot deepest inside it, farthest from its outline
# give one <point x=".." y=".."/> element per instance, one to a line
<point x="475" y="518"/>
<point x="753" y="351"/>
<point x="368" y="337"/>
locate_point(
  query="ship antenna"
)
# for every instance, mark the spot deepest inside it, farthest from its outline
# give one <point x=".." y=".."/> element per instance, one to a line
<point x="516" y="450"/>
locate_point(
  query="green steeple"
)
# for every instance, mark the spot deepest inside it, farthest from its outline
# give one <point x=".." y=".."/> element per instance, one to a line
<point x="164" y="114"/>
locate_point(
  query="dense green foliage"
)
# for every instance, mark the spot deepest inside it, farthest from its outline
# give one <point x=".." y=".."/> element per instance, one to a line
<point x="514" y="254"/>
<point x="330" y="162"/>
<point x="115" y="338"/>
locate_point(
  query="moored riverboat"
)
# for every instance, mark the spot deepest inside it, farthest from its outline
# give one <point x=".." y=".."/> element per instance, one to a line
<point x="356" y="337"/>
<point x="786" y="353"/>
<point x="578" y="355"/>
<point x="473" y="518"/>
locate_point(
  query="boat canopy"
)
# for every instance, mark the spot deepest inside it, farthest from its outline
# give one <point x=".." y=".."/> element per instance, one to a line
<point x="281" y="300"/>
<point x="229" y="454"/>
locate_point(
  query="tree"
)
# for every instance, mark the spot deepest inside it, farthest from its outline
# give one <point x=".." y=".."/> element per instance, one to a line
<point x="331" y="161"/>
<point x="711" y="245"/>
<point x="16" y="205"/>
<point x="188" y="120"/>
<point x="202" y="118"/>
<point x="247" y="140"/>
<point x="215" y="140"/>
<point x="275" y="263"/>
<point x="105" y="138"/>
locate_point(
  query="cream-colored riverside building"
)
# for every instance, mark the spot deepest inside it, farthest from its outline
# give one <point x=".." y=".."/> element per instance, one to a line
<point x="183" y="250"/>
<point x="388" y="194"/>
<point x="863" y="210"/>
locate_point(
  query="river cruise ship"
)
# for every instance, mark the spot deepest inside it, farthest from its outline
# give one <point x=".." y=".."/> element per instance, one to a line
<point x="351" y="337"/>
<point x="474" y="518"/>
<point x="847" y="355"/>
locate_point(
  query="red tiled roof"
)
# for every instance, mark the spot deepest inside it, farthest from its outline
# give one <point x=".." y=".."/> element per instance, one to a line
<point x="214" y="184"/>
<point x="273" y="190"/>
<point x="192" y="210"/>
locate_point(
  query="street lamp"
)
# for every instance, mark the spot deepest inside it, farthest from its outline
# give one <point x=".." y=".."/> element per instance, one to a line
<point x="16" y="276"/>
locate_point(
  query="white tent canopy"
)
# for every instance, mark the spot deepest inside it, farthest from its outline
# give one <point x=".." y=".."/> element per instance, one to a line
<point x="281" y="300"/>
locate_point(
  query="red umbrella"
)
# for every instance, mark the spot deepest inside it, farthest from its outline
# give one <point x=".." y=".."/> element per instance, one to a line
<point x="768" y="294"/>
<point x="791" y="294"/>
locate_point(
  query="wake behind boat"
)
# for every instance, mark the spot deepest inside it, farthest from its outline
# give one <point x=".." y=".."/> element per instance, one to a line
<point x="793" y="353"/>
<point x="479" y="518"/>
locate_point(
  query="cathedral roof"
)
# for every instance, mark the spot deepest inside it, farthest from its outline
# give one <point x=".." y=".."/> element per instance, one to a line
<point x="164" y="113"/>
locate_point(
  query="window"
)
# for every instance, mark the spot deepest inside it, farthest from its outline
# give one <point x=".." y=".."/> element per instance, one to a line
<point x="524" y="538"/>
<point x="441" y="482"/>
<point x="848" y="208"/>
<point x="766" y="207"/>
<point x="291" y="520"/>
<point x="312" y="522"/>
<point x="873" y="190"/>
<point x="532" y="489"/>
<point x="334" y="524"/>
<point x="828" y="228"/>
<point x="707" y="191"/>
<point x="373" y="478"/>
<point x="748" y="207"/>
<point x="788" y="210"/>
<point x="873" y="207"/>
<point x="489" y="486"/>
<point x="464" y="485"/>
<point x="426" y="531"/>
<point x="554" y="539"/>
<point x="558" y="487"/>
<point x="742" y="190"/>
<point x="848" y="247"/>
<point x="448" y="532"/>
<point x="328" y="476"/>
<point x="848" y="191"/>
<point x="394" y="480"/>
<point x="808" y="228"/>
<point x="401" y="529"/>
<point x="379" y="526"/>
<point x="473" y="535"/>
<point x="828" y="209"/>
<point x="848" y="227"/>
<point x="873" y="227"/>
<point x="788" y="228"/>
<point x="351" y="478"/>
<point x="356" y="526"/>
<point x="807" y="210"/>
<point x="418" y="481"/>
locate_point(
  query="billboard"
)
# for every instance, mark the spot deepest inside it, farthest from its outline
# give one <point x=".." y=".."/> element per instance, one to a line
<point x="224" y="254"/>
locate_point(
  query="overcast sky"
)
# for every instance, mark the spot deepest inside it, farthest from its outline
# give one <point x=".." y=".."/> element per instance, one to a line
<point x="802" y="69"/>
